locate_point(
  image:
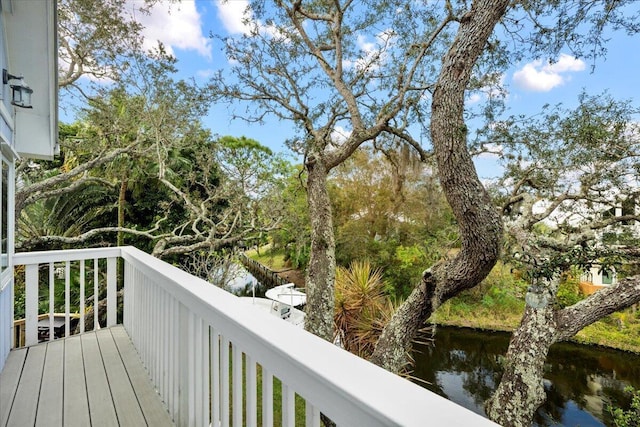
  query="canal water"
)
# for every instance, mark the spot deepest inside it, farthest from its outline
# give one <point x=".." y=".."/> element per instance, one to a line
<point x="581" y="382"/>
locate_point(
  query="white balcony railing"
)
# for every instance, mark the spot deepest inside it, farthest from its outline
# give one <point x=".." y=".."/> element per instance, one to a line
<point x="211" y="356"/>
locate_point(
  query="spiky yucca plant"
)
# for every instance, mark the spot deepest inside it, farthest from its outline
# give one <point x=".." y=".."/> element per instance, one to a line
<point x="361" y="308"/>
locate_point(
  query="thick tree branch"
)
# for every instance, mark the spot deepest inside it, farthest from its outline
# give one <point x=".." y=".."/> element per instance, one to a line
<point x="613" y="298"/>
<point x="32" y="192"/>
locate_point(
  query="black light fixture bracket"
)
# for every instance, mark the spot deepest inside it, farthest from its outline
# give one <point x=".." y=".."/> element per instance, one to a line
<point x="6" y="76"/>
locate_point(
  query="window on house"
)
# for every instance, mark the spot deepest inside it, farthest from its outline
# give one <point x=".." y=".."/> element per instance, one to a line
<point x="607" y="277"/>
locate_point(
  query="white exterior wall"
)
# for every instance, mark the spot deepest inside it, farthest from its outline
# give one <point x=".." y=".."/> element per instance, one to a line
<point x="6" y="142"/>
<point x="31" y="47"/>
<point x="28" y="47"/>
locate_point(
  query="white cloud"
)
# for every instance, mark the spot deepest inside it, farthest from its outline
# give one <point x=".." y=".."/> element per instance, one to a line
<point x="474" y="98"/>
<point x="205" y="74"/>
<point x="373" y="53"/>
<point x="237" y="18"/>
<point x="175" y="26"/>
<point x="233" y="15"/>
<point x="340" y="135"/>
<point x="491" y="150"/>
<point x="537" y="76"/>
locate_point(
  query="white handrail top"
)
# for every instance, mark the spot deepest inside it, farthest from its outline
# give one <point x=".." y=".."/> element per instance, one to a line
<point x="26" y="258"/>
<point x="349" y="390"/>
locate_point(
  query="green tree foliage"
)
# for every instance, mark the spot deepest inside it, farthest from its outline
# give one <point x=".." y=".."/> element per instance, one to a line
<point x="96" y="37"/>
<point x="169" y="186"/>
<point x="566" y="173"/>
<point x="631" y="416"/>
<point x="294" y="234"/>
<point x="390" y="210"/>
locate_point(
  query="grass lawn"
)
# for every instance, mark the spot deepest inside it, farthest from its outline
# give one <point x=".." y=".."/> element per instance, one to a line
<point x="274" y="259"/>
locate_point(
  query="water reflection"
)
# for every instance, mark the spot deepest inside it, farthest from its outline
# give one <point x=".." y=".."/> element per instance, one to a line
<point x="581" y="381"/>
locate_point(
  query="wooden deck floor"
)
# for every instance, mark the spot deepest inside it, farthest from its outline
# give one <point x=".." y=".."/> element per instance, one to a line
<point x="93" y="379"/>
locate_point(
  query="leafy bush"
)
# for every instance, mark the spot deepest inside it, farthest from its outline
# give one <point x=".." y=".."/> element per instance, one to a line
<point x="569" y="289"/>
<point x="631" y="416"/>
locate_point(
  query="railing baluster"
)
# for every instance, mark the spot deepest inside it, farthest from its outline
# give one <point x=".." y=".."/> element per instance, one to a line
<point x="164" y="348"/>
<point x="96" y="295"/>
<point x="224" y="374"/>
<point x="288" y="406"/>
<point x="267" y="398"/>
<point x="31" y="304"/>
<point x="183" y="354"/>
<point x="192" y="366"/>
<point x="171" y="351"/>
<point x="67" y="298"/>
<point x="155" y="330"/>
<point x="52" y="297"/>
<point x="82" y="309"/>
<point x="237" y="385"/>
<point x="112" y="302"/>
<point x="251" y="391"/>
<point x="215" y="376"/>
<point x="176" y="356"/>
<point x="205" y="389"/>
<point x="312" y="415"/>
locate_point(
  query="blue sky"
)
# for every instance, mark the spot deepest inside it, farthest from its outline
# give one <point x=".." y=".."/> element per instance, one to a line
<point x="184" y="29"/>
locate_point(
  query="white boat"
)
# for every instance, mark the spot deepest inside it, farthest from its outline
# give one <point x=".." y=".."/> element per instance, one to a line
<point x="282" y="301"/>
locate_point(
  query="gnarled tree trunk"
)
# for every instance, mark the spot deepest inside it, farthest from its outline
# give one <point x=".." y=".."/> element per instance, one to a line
<point x="521" y="391"/>
<point x="320" y="276"/>
<point x="479" y="221"/>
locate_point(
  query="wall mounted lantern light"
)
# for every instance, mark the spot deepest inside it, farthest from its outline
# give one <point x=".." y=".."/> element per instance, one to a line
<point x="20" y="92"/>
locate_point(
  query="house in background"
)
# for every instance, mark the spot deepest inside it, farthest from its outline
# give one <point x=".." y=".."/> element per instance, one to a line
<point x="613" y="236"/>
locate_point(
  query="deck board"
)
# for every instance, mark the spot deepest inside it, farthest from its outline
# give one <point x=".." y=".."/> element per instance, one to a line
<point x="50" y="405"/>
<point x="154" y="411"/>
<point x="9" y="382"/>
<point x="76" y="406"/>
<point x="124" y="398"/>
<point x="91" y="379"/>
<point x="101" y="408"/>
<point x="25" y="402"/>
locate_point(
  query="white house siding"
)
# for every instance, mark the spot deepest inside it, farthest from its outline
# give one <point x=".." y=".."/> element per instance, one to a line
<point x="6" y="140"/>
<point x="31" y="48"/>
<point x="28" y="47"/>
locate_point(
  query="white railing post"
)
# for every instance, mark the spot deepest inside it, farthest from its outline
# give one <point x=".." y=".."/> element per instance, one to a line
<point x="31" y="304"/>
<point x="128" y="297"/>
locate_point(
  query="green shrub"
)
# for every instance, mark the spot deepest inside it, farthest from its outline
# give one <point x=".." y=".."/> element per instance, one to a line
<point x="631" y="416"/>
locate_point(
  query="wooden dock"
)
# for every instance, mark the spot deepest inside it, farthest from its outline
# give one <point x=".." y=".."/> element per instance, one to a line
<point x="265" y="275"/>
<point x="95" y="378"/>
